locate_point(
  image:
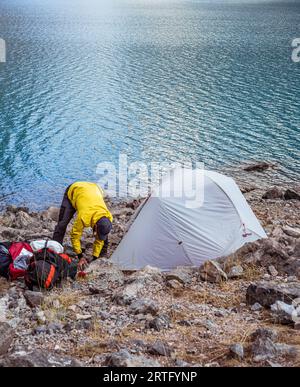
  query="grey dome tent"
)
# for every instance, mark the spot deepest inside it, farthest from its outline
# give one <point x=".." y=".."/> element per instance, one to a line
<point x="168" y="232"/>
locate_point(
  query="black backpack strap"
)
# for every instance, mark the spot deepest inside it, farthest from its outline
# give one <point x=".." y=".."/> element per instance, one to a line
<point x="45" y="249"/>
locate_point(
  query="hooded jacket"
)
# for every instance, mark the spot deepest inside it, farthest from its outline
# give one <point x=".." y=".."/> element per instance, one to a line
<point x="87" y="199"/>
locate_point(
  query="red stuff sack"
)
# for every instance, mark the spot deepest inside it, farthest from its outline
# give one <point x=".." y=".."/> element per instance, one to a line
<point x="21" y="253"/>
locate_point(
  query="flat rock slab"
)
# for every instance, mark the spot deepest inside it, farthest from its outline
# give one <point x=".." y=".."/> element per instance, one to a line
<point x="292" y="231"/>
<point x="292" y="194"/>
<point x="37" y="359"/>
<point x="34" y="299"/>
<point x="6" y="337"/>
<point x="274" y="193"/>
<point x="183" y="275"/>
<point x="258" y="167"/>
<point x="211" y="271"/>
<point x="159" y="349"/>
<point x="267" y="293"/>
<point x="124" y="359"/>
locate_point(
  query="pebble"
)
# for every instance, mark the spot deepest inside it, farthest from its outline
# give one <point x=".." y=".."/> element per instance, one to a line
<point x="272" y="270"/>
<point x="236" y="272"/>
<point x="83" y="316"/>
<point x="40" y="315"/>
<point x="256" y="307"/>
<point x="237" y="350"/>
<point x="159" y="348"/>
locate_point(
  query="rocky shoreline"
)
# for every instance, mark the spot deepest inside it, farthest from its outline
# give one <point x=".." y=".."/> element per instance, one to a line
<point x="241" y="311"/>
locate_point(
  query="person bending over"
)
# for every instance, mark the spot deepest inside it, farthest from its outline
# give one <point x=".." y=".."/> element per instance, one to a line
<point x="87" y="199"/>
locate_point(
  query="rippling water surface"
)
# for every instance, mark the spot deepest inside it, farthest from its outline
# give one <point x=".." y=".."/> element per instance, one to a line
<point x="155" y="79"/>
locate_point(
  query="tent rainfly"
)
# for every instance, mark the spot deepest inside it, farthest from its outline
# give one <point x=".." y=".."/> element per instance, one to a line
<point x="168" y="232"/>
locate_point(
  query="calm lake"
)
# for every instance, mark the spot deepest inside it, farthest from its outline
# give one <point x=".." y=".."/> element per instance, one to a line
<point x="86" y="80"/>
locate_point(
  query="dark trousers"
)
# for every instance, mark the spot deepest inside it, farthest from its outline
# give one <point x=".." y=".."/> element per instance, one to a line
<point x="66" y="214"/>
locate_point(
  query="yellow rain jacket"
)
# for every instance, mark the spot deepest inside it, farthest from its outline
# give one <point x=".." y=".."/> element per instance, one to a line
<point x="87" y="199"/>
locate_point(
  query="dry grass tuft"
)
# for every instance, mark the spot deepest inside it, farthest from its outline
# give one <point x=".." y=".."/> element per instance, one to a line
<point x="65" y="300"/>
<point x="288" y="335"/>
<point x="252" y="272"/>
<point x="97" y="342"/>
<point x="225" y="295"/>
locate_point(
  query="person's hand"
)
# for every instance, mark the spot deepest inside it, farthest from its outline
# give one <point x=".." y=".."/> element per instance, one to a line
<point x="82" y="264"/>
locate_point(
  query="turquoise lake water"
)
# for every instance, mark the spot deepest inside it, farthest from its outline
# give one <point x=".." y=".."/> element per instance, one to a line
<point x="86" y="80"/>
